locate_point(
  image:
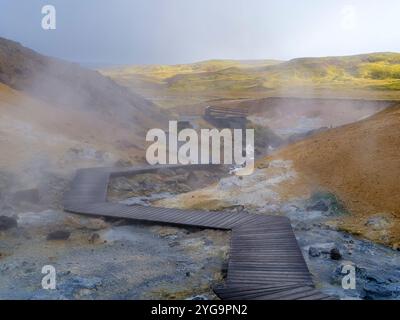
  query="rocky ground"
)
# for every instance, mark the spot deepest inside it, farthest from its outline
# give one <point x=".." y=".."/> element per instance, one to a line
<point x="327" y="250"/>
<point x="108" y="259"/>
<point x="316" y="219"/>
<point x="115" y="259"/>
<point x="145" y="188"/>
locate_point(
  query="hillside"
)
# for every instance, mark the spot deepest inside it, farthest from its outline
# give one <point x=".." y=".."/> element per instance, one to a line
<point x="375" y="75"/>
<point x="172" y="85"/>
<point x="66" y="84"/>
<point x="162" y="72"/>
<point x="360" y="163"/>
<point x="57" y="116"/>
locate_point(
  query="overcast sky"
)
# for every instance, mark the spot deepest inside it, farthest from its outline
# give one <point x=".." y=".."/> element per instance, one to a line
<point x="181" y="31"/>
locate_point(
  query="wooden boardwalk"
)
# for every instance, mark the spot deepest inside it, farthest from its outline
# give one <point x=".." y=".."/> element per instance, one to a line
<point x="265" y="260"/>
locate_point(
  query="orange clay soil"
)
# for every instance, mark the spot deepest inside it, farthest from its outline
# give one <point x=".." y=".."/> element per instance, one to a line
<point x="360" y="163"/>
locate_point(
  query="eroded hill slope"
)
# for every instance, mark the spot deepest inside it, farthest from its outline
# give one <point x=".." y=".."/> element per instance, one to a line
<point x="58" y="116"/>
<point x="360" y="163"/>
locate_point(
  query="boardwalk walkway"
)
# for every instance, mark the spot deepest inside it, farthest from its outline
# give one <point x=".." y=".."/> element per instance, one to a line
<point x="265" y="260"/>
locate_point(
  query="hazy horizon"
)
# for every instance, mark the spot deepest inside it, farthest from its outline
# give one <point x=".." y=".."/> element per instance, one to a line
<point x="133" y="32"/>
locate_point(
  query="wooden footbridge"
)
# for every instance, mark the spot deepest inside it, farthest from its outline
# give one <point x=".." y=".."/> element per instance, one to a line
<point x="224" y="117"/>
<point x="265" y="260"/>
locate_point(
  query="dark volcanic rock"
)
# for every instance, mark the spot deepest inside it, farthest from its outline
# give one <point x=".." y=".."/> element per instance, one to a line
<point x="7" y="223"/>
<point x="313" y="252"/>
<point x="94" y="237"/>
<point x="373" y="291"/>
<point x="335" y="254"/>
<point x="319" y="206"/>
<point x="58" y="235"/>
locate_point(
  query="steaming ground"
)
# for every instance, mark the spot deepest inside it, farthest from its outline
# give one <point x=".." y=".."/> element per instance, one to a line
<point x="339" y="187"/>
<point x="338" y="183"/>
<point x="347" y="147"/>
<point x="57" y="116"/>
<point x="35" y="135"/>
<point x="291" y="116"/>
<point x="359" y="163"/>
